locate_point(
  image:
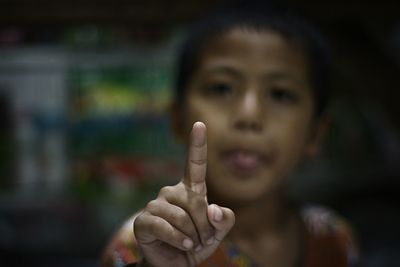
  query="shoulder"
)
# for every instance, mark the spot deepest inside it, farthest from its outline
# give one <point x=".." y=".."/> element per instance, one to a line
<point x="329" y="233"/>
<point x="322" y="220"/>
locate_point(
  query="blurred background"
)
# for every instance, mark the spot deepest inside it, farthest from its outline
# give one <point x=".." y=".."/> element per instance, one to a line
<point x="85" y="137"/>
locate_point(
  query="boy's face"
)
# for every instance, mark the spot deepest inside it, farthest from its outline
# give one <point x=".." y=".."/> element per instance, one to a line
<point x="252" y="91"/>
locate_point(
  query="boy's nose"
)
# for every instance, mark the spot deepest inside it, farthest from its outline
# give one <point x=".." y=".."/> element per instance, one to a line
<point x="248" y="115"/>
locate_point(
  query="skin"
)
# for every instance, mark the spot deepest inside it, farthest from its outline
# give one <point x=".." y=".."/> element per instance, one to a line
<point x="252" y="94"/>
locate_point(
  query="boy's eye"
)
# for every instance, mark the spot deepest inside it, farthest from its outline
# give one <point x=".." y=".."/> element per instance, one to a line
<point x="283" y="95"/>
<point x="220" y="89"/>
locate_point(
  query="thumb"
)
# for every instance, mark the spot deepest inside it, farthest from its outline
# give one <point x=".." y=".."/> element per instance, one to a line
<point x="222" y="219"/>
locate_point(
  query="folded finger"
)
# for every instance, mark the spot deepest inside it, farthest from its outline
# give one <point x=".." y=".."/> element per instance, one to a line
<point x="154" y="229"/>
<point x="176" y="216"/>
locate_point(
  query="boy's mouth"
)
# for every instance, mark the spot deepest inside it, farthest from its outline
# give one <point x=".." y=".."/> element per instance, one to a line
<point x="245" y="162"/>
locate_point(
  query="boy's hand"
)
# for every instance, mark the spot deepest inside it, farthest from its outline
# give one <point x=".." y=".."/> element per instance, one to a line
<point x="179" y="228"/>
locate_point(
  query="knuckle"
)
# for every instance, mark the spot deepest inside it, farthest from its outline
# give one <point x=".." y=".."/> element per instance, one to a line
<point x="152" y="205"/>
<point x="166" y="191"/>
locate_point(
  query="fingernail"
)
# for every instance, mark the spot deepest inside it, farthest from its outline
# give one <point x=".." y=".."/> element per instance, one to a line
<point x="198" y="248"/>
<point x="217" y="213"/>
<point x="187" y="243"/>
<point x="210" y="241"/>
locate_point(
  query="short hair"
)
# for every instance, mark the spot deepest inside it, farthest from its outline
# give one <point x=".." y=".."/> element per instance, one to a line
<point x="292" y="28"/>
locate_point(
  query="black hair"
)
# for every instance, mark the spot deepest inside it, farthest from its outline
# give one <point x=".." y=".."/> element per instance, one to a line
<point x="292" y="28"/>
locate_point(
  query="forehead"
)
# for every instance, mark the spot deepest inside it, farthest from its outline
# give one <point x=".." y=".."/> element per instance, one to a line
<point x="261" y="50"/>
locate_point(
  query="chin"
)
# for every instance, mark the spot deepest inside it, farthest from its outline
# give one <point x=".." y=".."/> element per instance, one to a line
<point x="239" y="195"/>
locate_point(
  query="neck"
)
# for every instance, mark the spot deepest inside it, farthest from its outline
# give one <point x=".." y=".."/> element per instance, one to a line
<point x="269" y="215"/>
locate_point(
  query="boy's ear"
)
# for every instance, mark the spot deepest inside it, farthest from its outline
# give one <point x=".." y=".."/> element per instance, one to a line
<point x="175" y="112"/>
<point x="318" y="134"/>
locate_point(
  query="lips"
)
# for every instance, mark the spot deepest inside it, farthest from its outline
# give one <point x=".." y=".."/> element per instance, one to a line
<point x="245" y="162"/>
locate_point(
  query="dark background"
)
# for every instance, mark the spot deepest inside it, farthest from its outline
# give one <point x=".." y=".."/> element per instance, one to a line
<point x="72" y="168"/>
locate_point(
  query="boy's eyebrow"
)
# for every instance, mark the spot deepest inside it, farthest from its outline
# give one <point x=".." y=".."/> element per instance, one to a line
<point x="277" y="75"/>
<point x="224" y="70"/>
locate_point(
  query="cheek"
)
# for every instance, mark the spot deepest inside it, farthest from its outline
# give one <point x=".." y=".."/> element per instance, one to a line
<point x="198" y="110"/>
<point x="292" y="141"/>
<point x="193" y="111"/>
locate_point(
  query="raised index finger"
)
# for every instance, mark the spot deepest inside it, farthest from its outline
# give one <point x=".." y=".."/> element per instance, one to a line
<point x="196" y="165"/>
